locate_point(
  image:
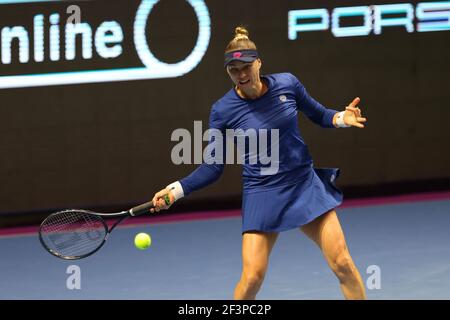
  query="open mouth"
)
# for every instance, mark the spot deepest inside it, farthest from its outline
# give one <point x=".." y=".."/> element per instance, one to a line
<point x="244" y="82"/>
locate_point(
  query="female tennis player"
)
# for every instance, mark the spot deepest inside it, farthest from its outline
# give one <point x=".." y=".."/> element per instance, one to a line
<point x="297" y="195"/>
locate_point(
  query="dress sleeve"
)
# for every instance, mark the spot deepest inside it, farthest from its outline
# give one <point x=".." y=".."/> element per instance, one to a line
<point x="313" y="109"/>
<point x="208" y="172"/>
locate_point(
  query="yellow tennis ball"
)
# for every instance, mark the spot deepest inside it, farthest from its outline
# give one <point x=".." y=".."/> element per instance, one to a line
<point x="142" y="241"/>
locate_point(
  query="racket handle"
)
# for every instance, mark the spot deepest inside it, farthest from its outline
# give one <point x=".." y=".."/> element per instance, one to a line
<point x="141" y="209"/>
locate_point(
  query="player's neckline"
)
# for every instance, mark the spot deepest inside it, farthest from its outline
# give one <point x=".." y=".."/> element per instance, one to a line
<point x="265" y="82"/>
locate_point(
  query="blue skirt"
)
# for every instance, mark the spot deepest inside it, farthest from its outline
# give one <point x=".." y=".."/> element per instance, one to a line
<point x="288" y="207"/>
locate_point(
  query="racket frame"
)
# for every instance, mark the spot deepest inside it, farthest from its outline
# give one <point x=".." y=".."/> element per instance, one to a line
<point x="123" y="215"/>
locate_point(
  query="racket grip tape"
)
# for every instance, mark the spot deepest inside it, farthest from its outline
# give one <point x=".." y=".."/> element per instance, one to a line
<point x="145" y="207"/>
<point x="141" y="209"/>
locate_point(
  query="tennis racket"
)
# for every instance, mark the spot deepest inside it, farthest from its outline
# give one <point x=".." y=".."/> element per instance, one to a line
<point x="77" y="234"/>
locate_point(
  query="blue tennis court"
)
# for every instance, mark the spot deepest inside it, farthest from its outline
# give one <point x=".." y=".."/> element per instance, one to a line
<point x="406" y="243"/>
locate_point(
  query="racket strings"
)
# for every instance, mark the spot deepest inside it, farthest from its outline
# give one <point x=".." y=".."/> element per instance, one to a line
<point x="73" y="233"/>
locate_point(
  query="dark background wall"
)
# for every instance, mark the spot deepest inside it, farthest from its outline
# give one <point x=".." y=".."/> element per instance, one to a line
<point x="108" y="144"/>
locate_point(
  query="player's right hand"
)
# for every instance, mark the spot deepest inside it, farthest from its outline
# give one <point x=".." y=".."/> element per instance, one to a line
<point x="162" y="200"/>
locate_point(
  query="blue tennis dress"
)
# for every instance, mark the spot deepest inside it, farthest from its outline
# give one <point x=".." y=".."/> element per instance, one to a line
<point x="281" y="188"/>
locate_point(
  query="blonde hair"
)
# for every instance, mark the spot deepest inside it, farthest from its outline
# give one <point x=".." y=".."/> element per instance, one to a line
<point x="241" y="41"/>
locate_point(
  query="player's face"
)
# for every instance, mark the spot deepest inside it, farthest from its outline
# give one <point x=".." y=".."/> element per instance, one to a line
<point x="245" y="75"/>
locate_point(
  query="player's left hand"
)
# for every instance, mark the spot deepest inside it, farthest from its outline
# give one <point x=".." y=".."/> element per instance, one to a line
<point x="352" y="115"/>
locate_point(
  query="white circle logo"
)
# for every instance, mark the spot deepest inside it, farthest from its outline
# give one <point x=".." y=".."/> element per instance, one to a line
<point x="175" y="69"/>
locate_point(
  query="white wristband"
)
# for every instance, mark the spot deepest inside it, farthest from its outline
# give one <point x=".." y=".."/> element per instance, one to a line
<point x="177" y="190"/>
<point x="340" y="120"/>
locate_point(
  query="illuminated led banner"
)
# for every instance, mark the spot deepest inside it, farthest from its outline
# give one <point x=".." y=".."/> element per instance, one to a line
<point x="425" y="17"/>
<point x="48" y="40"/>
